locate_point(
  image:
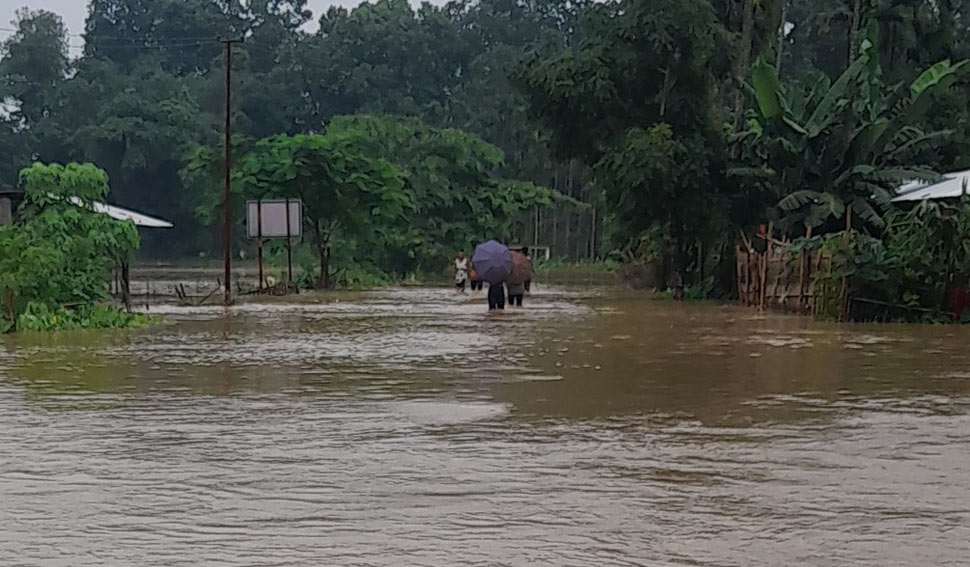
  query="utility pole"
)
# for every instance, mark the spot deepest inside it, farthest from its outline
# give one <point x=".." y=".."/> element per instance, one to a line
<point x="227" y="194"/>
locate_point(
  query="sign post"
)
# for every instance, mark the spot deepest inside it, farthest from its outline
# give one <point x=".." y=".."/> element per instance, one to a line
<point x="275" y="218"/>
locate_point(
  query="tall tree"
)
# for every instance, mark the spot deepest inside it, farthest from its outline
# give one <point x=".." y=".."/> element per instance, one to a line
<point x="632" y="102"/>
<point x="34" y="64"/>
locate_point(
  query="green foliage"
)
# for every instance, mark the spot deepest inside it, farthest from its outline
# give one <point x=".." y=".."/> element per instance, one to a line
<point x="40" y="317"/>
<point x="919" y="258"/>
<point x="148" y="87"/>
<point x="767" y="90"/>
<point x="700" y="291"/>
<point x="62" y="253"/>
<point x="559" y="268"/>
<point x="842" y="147"/>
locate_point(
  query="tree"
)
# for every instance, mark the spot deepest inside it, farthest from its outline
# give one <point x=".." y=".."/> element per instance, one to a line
<point x="452" y="178"/>
<point x="59" y="258"/>
<point x="177" y="34"/>
<point x="633" y="102"/>
<point x="34" y="64"/>
<point x="383" y="57"/>
<point x="347" y="197"/>
<point x="393" y="195"/>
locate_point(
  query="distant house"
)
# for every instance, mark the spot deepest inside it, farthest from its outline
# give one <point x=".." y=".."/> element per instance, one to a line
<point x="951" y="186"/>
<point x="11" y="199"/>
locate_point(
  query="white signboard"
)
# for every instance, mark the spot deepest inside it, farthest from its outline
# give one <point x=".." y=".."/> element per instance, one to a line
<point x="268" y="219"/>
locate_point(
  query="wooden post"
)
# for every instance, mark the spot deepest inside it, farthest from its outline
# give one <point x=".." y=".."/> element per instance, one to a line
<point x="289" y="249"/>
<point x="259" y="241"/>
<point x="126" y="285"/>
<point x="737" y="276"/>
<point x="818" y="268"/>
<point x="801" y="272"/>
<point x="847" y="245"/>
<point x="764" y="264"/>
<point x="227" y="190"/>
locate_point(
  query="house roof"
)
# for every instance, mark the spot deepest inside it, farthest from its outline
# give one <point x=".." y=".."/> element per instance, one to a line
<point x="952" y="185"/>
<point x="118" y="213"/>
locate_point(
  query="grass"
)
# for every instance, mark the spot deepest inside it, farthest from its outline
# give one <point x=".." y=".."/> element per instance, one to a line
<point x="561" y="271"/>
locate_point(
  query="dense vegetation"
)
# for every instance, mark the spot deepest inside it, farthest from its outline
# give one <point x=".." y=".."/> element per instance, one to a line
<point x="650" y="129"/>
<point x="55" y="263"/>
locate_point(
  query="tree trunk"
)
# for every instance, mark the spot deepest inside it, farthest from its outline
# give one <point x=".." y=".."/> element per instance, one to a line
<point x="324" y="280"/>
<point x="854" y="24"/>
<point x="678" y="263"/>
<point x="786" y="4"/>
<point x="744" y="60"/>
<point x="665" y="92"/>
<point x="322" y="240"/>
<point x="8" y="307"/>
<point x="700" y="261"/>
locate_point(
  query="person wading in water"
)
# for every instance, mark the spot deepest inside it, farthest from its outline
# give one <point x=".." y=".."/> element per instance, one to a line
<point x="461" y="271"/>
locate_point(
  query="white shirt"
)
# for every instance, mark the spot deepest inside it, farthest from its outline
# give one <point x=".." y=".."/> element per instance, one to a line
<point x="461" y="270"/>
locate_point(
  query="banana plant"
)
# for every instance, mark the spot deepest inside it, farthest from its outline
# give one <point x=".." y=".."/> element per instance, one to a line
<point x="838" y="150"/>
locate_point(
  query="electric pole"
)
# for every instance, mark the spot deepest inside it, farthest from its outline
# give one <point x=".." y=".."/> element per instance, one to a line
<point x="227" y="194"/>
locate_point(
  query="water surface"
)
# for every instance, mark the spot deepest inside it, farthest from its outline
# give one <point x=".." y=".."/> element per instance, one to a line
<point x="410" y="427"/>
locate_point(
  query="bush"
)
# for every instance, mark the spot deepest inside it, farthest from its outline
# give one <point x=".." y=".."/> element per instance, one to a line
<point x="58" y="259"/>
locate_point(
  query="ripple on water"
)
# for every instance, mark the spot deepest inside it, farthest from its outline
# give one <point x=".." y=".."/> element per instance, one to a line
<point x="371" y="346"/>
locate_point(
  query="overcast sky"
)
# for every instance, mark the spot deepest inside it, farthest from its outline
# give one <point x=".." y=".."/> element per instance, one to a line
<point x="74" y="11"/>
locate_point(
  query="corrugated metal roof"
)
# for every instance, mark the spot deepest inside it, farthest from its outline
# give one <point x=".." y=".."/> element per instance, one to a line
<point x="951" y="186"/>
<point x="124" y="214"/>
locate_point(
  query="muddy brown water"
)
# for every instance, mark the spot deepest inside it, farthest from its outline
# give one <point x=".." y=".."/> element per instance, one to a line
<point x="409" y="427"/>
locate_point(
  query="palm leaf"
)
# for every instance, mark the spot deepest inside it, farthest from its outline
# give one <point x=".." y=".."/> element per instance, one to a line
<point x="798" y="128"/>
<point x="904" y="175"/>
<point x="865" y="211"/>
<point x="826" y="108"/>
<point x="921" y="139"/>
<point x="767" y="90"/>
<point x="864" y="142"/>
<point x="859" y="170"/>
<point x="763" y="172"/>
<point x="939" y="73"/>
<point x="798" y="199"/>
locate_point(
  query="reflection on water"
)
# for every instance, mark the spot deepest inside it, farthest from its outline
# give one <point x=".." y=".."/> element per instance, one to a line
<point x="410" y="427"/>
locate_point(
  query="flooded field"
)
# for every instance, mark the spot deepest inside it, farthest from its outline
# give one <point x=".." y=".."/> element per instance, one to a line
<point x="410" y="427"/>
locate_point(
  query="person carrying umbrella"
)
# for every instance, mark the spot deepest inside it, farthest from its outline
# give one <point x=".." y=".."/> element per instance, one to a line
<point x="528" y="282"/>
<point x="493" y="264"/>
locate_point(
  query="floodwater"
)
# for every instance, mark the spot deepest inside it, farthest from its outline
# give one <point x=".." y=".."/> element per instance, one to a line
<point x="409" y="427"/>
